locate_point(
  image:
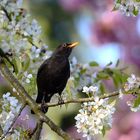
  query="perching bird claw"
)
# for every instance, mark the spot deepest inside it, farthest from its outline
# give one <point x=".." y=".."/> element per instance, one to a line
<point x="44" y="108"/>
<point x="60" y="101"/>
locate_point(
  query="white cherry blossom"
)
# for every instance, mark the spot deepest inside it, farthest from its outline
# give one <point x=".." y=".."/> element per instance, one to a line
<point x="94" y="116"/>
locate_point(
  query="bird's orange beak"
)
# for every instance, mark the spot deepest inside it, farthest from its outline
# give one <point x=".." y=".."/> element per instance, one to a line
<point x="72" y="45"/>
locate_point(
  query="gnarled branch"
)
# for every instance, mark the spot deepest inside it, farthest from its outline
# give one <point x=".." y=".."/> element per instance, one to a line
<point x="22" y="94"/>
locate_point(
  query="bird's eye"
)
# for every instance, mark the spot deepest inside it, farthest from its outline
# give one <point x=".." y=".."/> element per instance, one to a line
<point x="64" y="45"/>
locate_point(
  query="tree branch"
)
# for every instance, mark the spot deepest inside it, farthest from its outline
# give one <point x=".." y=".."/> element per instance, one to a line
<point x="81" y="100"/>
<point x="27" y="99"/>
<point x="38" y="132"/>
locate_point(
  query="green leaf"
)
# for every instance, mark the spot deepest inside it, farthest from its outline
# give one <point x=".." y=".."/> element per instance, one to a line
<point x="102" y="75"/>
<point x="68" y="89"/>
<point x="137" y="101"/>
<point x="26" y="63"/>
<point x="116" y="80"/>
<point x="108" y="71"/>
<point x="103" y="131"/>
<point x="135" y="11"/>
<point x="124" y="78"/>
<point x="83" y="71"/>
<point x="17" y="64"/>
<point x="93" y="64"/>
<point x="118" y="77"/>
<point x="113" y="103"/>
<point x="102" y="88"/>
<point x="118" y="1"/>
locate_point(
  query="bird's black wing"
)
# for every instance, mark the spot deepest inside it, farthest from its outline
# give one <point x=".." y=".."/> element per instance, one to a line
<point x="42" y="66"/>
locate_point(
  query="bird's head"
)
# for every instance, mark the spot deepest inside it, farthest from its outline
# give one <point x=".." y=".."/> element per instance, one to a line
<point x="65" y="49"/>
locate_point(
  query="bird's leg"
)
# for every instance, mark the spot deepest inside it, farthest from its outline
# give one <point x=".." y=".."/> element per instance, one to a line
<point x="60" y="99"/>
<point x="43" y="106"/>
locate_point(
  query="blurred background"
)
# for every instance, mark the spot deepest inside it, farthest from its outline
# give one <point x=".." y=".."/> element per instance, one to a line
<point x="104" y="36"/>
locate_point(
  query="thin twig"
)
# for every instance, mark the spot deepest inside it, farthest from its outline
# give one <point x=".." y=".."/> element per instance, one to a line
<point x="6" y="13"/>
<point x="27" y="99"/>
<point x="37" y="135"/>
<point x="81" y="100"/>
<point x="13" y="122"/>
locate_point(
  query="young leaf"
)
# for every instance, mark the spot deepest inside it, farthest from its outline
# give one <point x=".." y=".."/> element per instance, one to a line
<point x="117" y="77"/>
<point x="113" y="103"/>
<point x="68" y="88"/>
<point x="135" y="11"/>
<point x="26" y="63"/>
<point x="102" y="75"/>
<point x="17" y="64"/>
<point x="118" y="1"/>
<point x="93" y="64"/>
<point x="83" y="71"/>
<point x="102" y="88"/>
<point x="108" y="71"/>
<point x="115" y="80"/>
<point x="103" y="131"/>
<point x="137" y="101"/>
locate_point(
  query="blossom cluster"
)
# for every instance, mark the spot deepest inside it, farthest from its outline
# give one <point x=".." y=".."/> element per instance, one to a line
<point x="132" y="85"/>
<point x="133" y="82"/>
<point x="131" y="105"/>
<point x="10" y="107"/>
<point x="128" y="7"/>
<point x="83" y="74"/>
<point x="94" y="116"/>
<point x="28" y="77"/>
<point x="20" y="36"/>
<point x="92" y="89"/>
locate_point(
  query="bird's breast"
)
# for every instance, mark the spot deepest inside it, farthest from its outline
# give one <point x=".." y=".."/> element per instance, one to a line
<point x="59" y="63"/>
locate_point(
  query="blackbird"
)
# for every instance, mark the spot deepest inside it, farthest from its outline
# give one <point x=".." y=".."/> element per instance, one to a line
<point x="53" y="74"/>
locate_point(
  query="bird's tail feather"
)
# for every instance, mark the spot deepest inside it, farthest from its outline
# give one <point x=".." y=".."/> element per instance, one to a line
<point x="40" y="97"/>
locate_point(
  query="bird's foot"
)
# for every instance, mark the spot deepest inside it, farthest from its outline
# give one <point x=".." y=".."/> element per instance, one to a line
<point x="44" y="108"/>
<point x="60" y="101"/>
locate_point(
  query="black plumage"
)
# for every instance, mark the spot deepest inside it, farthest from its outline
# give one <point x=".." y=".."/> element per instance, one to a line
<point x="53" y="74"/>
